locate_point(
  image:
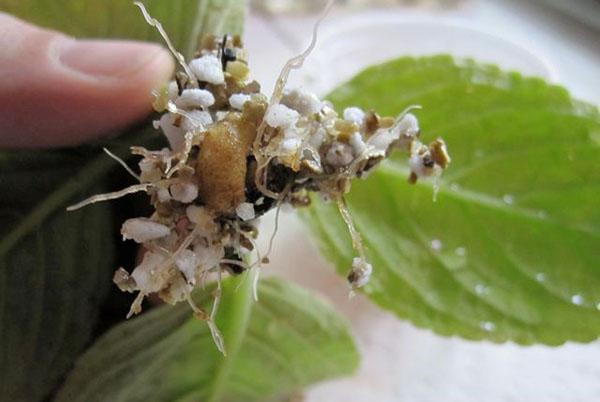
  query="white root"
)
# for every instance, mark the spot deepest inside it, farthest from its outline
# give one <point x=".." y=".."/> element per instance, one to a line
<point x="405" y="112"/>
<point x="255" y="280"/>
<point x="280" y="200"/>
<point x="136" y="188"/>
<point x="172" y="107"/>
<point x="136" y="306"/>
<point x="217" y="337"/>
<point x="262" y="172"/>
<point x="256" y="267"/>
<point x="182" y="156"/>
<point x="295" y="62"/>
<point x="259" y="259"/>
<point x="197" y="310"/>
<point x="357" y="242"/>
<point x="184" y="245"/>
<point x="214" y="330"/>
<point x="156" y="24"/>
<point x="122" y="163"/>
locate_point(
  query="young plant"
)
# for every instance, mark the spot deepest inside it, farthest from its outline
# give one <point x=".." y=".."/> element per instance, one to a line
<point x="507" y="253"/>
<point x="234" y="155"/>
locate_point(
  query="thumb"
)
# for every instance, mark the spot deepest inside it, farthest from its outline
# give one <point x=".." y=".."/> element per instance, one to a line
<point x="56" y="90"/>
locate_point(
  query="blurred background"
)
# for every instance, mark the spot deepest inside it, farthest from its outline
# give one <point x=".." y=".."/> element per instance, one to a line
<point x="553" y="39"/>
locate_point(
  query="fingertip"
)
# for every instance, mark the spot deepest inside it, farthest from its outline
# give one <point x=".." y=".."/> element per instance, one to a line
<point x="112" y="61"/>
<point x="156" y="73"/>
<point x="114" y="80"/>
<point x="61" y="91"/>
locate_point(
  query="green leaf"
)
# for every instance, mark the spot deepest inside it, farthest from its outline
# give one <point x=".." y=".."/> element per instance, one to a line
<point x="517" y="214"/>
<point x="53" y="269"/>
<point x="55" y="266"/>
<point x="184" y="20"/>
<point x="276" y="346"/>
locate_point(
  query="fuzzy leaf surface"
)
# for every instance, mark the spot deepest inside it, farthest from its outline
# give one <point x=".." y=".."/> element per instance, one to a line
<point x="275" y="347"/>
<point x="516" y="227"/>
<point x="53" y="269"/>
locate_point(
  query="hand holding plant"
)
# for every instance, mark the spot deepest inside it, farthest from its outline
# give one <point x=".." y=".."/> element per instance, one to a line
<point x="507" y="253"/>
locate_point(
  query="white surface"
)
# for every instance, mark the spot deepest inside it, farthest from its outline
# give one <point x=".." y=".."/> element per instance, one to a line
<point x="400" y="362"/>
<point x="513" y="34"/>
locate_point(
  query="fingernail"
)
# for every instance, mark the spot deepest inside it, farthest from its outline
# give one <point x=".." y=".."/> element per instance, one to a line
<point x="111" y="59"/>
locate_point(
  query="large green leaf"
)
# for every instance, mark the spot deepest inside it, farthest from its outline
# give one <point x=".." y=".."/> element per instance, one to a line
<point x="184" y="20"/>
<point x="275" y="347"/>
<point x="516" y="227"/>
<point x="53" y="269"/>
<point x="55" y="266"/>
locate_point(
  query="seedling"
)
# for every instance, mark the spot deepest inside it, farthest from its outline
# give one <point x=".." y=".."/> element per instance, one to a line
<point x="235" y="154"/>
